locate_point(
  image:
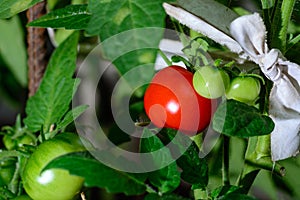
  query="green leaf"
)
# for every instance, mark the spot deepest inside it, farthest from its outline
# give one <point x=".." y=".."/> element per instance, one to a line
<point x="194" y="168"/>
<point x="8" y="8"/>
<point x="224" y="190"/>
<point x="5" y="193"/>
<point x="115" y="16"/>
<point x="166" y="179"/>
<point x="70" y="17"/>
<point x="234" y="196"/>
<point x="128" y="34"/>
<point x="12" y="48"/>
<point x="99" y="175"/>
<point x="196" y="52"/>
<point x="164" y="197"/>
<point x="52" y="99"/>
<point x="267" y="4"/>
<point x="221" y="17"/>
<point x="71" y="116"/>
<point x="234" y="118"/>
<point x="117" y="136"/>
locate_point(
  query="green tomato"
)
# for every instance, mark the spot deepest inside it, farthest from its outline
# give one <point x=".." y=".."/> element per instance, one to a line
<point x="12" y="144"/>
<point x="210" y="82"/>
<point x="52" y="184"/>
<point x="245" y="89"/>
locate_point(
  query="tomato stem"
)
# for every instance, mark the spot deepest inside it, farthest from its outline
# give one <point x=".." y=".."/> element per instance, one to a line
<point x="256" y="76"/>
<point x="164" y="57"/>
<point x="225" y="163"/>
<point x="257" y="157"/>
<point x="200" y="194"/>
<point x="15" y="181"/>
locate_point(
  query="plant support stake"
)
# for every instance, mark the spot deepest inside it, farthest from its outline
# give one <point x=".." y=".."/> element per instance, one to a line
<point x="37" y="50"/>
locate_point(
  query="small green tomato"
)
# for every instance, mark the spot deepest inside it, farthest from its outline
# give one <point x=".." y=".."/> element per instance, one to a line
<point x="210" y="82"/>
<point x="245" y="89"/>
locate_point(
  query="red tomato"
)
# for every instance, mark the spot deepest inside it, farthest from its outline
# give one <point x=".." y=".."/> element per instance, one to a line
<point x="171" y="101"/>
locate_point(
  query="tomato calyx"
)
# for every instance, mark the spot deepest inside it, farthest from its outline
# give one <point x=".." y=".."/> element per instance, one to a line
<point x="16" y="137"/>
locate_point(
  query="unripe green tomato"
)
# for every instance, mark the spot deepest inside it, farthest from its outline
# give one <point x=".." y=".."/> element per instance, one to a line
<point x="11" y="144"/>
<point x="210" y="82"/>
<point x="245" y="89"/>
<point x="52" y="184"/>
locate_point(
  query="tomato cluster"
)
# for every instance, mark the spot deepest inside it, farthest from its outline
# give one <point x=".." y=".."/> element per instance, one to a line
<point x="179" y="99"/>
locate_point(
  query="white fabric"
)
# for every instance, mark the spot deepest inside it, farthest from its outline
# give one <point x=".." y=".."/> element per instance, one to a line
<point x="197" y="24"/>
<point x="249" y="40"/>
<point x="249" y="31"/>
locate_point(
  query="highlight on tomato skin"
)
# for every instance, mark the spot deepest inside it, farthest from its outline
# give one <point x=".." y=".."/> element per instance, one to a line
<point x="171" y="101"/>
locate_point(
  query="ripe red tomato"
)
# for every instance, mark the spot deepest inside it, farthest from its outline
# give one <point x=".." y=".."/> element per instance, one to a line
<point x="171" y="101"/>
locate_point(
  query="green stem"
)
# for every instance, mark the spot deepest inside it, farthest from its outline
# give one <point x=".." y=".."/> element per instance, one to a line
<point x="200" y="194"/>
<point x="149" y="189"/>
<point x="257" y="157"/>
<point x="14" y="183"/>
<point x="225" y="163"/>
<point x="280" y="22"/>
<point x="287" y="10"/>
<point x="165" y="58"/>
<point x="293" y="42"/>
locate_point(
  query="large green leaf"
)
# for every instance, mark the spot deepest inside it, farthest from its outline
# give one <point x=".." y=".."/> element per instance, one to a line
<point x="138" y="42"/>
<point x="115" y="16"/>
<point x="12" y="48"/>
<point x="164" y="197"/>
<point x="194" y="168"/>
<point x="234" y="196"/>
<point x="8" y="8"/>
<point x="99" y="175"/>
<point x="167" y="178"/>
<point x="213" y="12"/>
<point x="53" y="97"/>
<point x="234" y="118"/>
<point x="70" y="17"/>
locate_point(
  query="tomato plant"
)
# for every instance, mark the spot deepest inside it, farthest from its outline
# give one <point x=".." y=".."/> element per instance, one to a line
<point x="53" y="183"/>
<point x="171" y="101"/>
<point x="245" y="89"/>
<point x="211" y="82"/>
